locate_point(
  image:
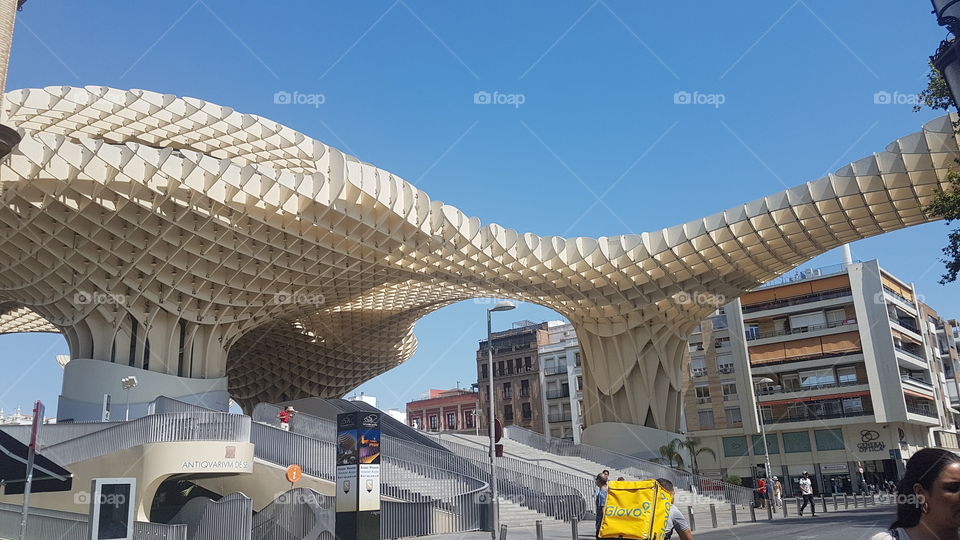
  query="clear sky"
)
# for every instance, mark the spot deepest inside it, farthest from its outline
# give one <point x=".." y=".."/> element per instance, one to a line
<point x="582" y="136"/>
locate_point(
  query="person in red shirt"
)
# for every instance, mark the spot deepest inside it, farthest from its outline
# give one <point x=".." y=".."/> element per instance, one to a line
<point x="762" y="489"/>
<point x="285" y="416"/>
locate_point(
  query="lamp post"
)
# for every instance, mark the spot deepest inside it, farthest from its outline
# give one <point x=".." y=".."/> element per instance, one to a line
<point x="128" y="383"/>
<point x="494" y="504"/>
<point x="947" y="58"/>
<point x="763" y="428"/>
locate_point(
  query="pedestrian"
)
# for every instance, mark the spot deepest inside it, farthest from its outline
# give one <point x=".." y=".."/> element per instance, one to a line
<point x="606" y="475"/>
<point x="621" y="479"/>
<point x="676" y="522"/>
<point x="777" y="492"/>
<point x="285" y="415"/>
<point x="762" y="490"/>
<point x="806" y="489"/>
<point x="928" y="498"/>
<point x="600" y="498"/>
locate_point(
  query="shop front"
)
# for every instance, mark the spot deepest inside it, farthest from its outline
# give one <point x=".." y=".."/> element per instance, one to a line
<point x="836" y="478"/>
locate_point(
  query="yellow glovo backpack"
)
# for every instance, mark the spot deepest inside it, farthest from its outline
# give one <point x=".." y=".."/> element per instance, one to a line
<point x="639" y="510"/>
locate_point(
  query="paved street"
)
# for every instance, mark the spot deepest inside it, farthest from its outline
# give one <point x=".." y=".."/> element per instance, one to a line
<point x="849" y="525"/>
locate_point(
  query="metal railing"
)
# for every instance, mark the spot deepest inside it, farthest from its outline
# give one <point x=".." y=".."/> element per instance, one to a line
<point x="44" y="524"/>
<point x="914" y="380"/>
<point x="169" y="427"/>
<point x="797" y="300"/>
<point x="814" y="416"/>
<point x="554" y="393"/>
<point x="229" y="517"/>
<point x="778" y="389"/>
<point x="559" y="417"/>
<point x="802" y="330"/>
<point x="904" y="299"/>
<point x="299" y="513"/>
<point x="555" y="370"/>
<point x="51" y="434"/>
<point x="923" y="411"/>
<point x="803" y="275"/>
<point x="906" y="323"/>
<point x="909" y="352"/>
<point x="554" y="493"/>
<point x="637" y="467"/>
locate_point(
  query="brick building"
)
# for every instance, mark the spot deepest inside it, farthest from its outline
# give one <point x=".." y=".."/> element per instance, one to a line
<point x="444" y="410"/>
<point x="516" y="370"/>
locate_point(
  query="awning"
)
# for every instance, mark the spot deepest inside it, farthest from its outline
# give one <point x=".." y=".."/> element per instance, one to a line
<point x="47" y="475"/>
<point x="918" y="394"/>
<point x="809" y="399"/>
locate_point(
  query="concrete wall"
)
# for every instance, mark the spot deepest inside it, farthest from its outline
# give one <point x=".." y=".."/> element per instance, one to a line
<point x="85" y="381"/>
<point x="629" y="439"/>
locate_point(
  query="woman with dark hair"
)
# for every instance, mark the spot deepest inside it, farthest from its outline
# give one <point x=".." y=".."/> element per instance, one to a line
<point x="600" y="498"/>
<point x="928" y="498"/>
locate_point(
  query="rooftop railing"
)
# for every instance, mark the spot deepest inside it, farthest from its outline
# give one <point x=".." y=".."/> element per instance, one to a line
<point x="801" y="330"/>
<point x="797" y="300"/>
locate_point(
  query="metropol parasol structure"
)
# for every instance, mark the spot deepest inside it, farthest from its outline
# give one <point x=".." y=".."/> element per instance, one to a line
<point x="184" y="240"/>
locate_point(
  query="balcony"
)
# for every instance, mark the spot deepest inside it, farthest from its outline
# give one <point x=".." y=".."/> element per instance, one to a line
<point x="906" y="323"/>
<point x="910" y="353"/>
<point x="772" y="390"/>
<point x="725" y="369"/>
<point x="810" y="416"/>
<point x="922" y="410"/>
<point x="797" y="300"/>
<point x="776" y="333"/>
<point x="903" y="299"/>
<point x="559" y="417"/>
<point x="554" y="370"/>
<point x="731" y="397"/>
<point x="702" y="400"/>
<point x="555" y="393"/>
<point x="918" y="382"/>
<point x="698" y="372"/>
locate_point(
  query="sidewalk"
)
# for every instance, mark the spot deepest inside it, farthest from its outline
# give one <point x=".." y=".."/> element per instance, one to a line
<point x="557" y="530"/>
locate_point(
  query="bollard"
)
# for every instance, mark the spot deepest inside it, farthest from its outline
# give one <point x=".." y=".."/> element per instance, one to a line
<point x="503" y="532"/>
<point x="798" y="505"/>
<point x="693" y="522"/>
<point x="873" y="499"/>
<point x="835" y="502"/>
<point x="539" y="530"/>
<point x="753" y="513"/>
<point x="823" y="498"/>
<point x="713" y="515"/>
<point x="575" y="528"/>
<point x="733" y="513"/>
<point x="783" y="504"/>
<point x="856" y="502"/>
<point x="769" y="511"/>
<point x="846" y="503"/>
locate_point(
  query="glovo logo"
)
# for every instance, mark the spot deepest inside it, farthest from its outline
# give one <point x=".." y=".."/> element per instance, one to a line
<point x="628" y="512"/>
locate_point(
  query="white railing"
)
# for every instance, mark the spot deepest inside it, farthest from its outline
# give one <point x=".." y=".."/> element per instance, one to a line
<point x="53" y="524"/>
<point x="168" y="427"/>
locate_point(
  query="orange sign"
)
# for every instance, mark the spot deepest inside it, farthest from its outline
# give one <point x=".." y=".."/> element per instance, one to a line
<point x="294" y="473"/>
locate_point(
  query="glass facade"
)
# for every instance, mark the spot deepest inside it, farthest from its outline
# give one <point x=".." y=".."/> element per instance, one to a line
<point x="735" y="446"/>
<point x="795" y="442"/>
<point x="829" y="439"/>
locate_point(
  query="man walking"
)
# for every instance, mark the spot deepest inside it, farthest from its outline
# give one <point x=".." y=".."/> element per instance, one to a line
<point x="284" y="416"/>
<point x="677" y="523"/>
<point x="806" y="489"/>
<point x="777" y="492"/>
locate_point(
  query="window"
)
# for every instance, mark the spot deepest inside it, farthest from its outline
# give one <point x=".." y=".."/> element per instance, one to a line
<point x="807" y="321"/>
<point x="468" y="420"/>
<point x="829" y="439"/>
<point x="500" y="371"/>
<point x="705" y="418"/>
<point x="729" y="391"/>
<point x="525" y="388"/>
<point x="836" y="316"/>
<point x="753" y="331"/>
<point x="451" y="420"/>
<point x="507" y="394"/>
<point x="579" y="383"/>
<point x="698" y="367"/>
<point x="508" y="413"/>
<point x="796" y="442"/>
<point x="791" y="382"/>
<point x="847" y="375"/>
<point x="703" y="394"/>
<point x="773" y="447"/>
<point x="694" y="347"/>
<point x="433" y="422"/>
<point x="509" y="367"/>
<point x="483" y="371"/>
<point x="766" y="413"/>
<point x="526" y="364"/>
<point x="576" y="359"/>
<point x="852" y="405"/>
<point x="816" y="377"/>
<point x="526" y="411"/>
<point x="725" y="363"/>
<point x="735" y="446"/>
<point x="721" y="342"/>
<point x="733" y="415"/>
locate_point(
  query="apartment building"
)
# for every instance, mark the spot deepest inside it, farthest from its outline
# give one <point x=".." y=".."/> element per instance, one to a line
<point x="941" y="336"/>
<point x="516" y="375"/>
<point x="836" y="362"/>
<point x="561" y="377"/>
<point x="444" y="410"/>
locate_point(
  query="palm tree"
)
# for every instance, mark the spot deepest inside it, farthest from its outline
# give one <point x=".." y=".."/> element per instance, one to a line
<point x="671" y="453"/>
<point x="693" y="447"/>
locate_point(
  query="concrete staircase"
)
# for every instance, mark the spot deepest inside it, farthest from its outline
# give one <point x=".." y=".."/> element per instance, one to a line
<point x="685" y="500"/>
<point x="513" y="515"/>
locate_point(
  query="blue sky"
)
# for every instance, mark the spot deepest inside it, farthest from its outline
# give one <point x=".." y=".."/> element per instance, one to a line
<point x="597" y="146"/>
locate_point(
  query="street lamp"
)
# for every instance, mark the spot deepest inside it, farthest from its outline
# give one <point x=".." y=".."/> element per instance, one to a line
<point x="947" y="57"/>
<point x="495" y="505"/>
<point x="128" y="383"/>
<point x="763" y="428"/>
